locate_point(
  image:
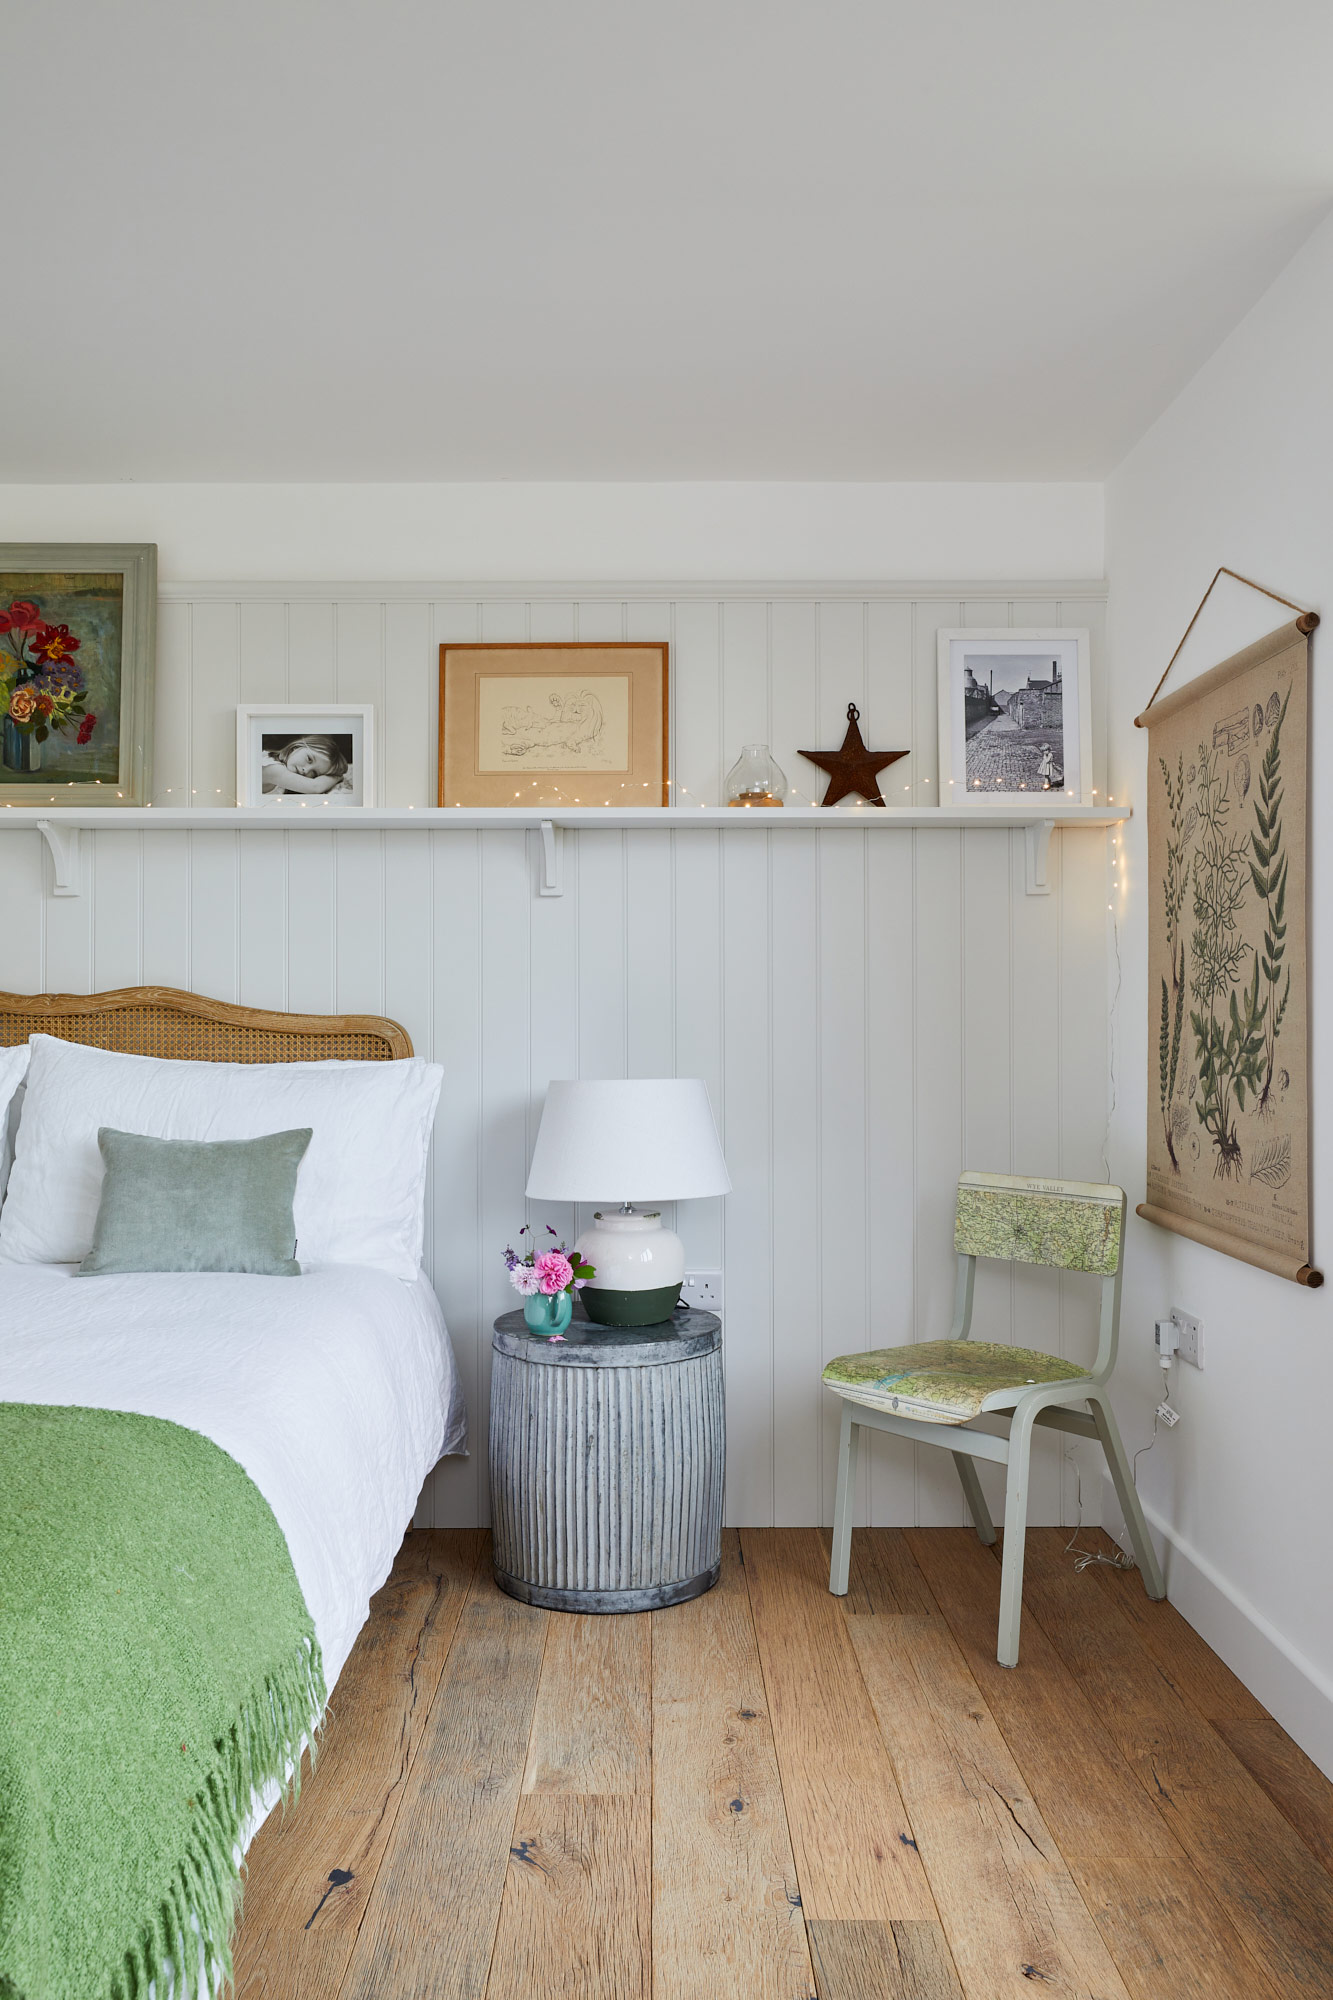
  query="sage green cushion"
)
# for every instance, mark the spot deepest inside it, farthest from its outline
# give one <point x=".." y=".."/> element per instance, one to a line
<point x="197" y="1205"/>
<point x="945" y="1381"/>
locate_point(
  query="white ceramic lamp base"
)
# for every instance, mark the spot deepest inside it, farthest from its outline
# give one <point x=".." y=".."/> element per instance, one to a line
<point x="640" y="1268"/>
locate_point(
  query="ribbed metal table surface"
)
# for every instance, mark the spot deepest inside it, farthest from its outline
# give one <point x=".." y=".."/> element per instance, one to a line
<point x="607" y="1455"/>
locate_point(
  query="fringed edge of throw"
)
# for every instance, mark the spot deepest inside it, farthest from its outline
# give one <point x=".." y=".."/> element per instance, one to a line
<point x="184" y="1948"/>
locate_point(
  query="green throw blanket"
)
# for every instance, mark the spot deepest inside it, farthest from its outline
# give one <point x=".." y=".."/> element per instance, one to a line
<point x="157" y="1667"/>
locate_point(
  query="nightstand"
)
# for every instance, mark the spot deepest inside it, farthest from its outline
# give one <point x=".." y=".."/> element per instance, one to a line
<point x="607" y="1454"/>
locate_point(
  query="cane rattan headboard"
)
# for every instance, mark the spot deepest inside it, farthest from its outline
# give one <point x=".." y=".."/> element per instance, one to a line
<point x="159" y="1021"/>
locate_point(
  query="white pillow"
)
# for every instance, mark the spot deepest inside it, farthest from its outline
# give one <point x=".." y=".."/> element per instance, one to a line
<point x="359" y="1194"/>
<point x="13" y="1069"/>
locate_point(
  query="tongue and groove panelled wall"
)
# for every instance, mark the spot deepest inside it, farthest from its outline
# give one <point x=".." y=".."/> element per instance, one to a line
<point x="872" y="1010"/>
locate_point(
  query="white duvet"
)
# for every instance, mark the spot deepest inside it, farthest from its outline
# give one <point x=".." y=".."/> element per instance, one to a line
<point x="336" y="1392"/>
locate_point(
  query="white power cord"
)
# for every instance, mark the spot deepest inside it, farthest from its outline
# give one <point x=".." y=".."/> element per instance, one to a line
<point x="1166" y="1336"/>
<point x="1085" y="1558"/>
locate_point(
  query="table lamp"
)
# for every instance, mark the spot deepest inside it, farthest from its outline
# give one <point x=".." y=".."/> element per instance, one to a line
<point x="633" y="1140"/>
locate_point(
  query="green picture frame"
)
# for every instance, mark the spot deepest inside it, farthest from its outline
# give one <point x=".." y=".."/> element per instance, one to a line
<point x="78" y="626"/>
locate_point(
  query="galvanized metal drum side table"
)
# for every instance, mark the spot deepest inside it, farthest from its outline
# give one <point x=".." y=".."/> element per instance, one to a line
<point x="607" y="1454"/>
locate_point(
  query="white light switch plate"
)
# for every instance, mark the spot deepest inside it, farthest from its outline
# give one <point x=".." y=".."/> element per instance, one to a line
<point x="703" y="1291"/>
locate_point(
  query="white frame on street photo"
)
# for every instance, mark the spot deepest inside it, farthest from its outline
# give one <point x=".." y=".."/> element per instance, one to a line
<point x="1070" y="779"/>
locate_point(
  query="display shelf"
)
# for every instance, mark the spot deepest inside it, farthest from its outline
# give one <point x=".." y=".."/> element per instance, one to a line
<point x="61" y="826"/>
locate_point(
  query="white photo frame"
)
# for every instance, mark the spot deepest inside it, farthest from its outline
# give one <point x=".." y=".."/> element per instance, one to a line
<point x="319" y="757"/>
<point x="1015" y="715"/>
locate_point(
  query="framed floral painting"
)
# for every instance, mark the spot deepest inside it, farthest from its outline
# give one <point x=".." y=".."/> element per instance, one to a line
<point x="77" y="625"/>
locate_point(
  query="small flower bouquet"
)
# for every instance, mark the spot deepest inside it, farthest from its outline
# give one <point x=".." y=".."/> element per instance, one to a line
<point x="41" y="687"/>
<point x="547" y="1281"/>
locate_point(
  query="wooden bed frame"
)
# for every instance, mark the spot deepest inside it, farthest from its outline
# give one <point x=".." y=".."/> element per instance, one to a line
<point x="162" y="1021"/>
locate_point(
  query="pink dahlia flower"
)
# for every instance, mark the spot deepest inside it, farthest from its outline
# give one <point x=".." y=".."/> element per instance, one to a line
<point x="524" y="1279"/>
<point x="554" y="1271"/>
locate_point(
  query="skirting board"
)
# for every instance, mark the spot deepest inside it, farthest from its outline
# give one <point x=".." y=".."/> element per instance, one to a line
<point x="1293" y="1689"/>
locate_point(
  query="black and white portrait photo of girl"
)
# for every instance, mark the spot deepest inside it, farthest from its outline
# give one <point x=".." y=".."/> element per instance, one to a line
<point x="297" y="766"/>
<point x="294" y="757"/>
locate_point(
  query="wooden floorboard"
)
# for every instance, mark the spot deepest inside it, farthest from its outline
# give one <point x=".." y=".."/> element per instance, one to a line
<point x="576" y="1919"/>
<point x="855" y="1854"/>
<point x="875" y="1961"/>
<point x="1130" y="1870"/>
<point x="884" y="1579"/>
<point x="727" y="1914"/>
<point x="430" y="1927"/>
<point x="1298" y="1788"/>
<point x="1188" y="1661"/>
<point x="770" y="1794"/>
<point x="1279" y="1897"/>
<point x="576" y="1916"/>
<point x="1011" y="1911"/>
<point x="592" y="1726"/>
<point x="312" y="1869"/>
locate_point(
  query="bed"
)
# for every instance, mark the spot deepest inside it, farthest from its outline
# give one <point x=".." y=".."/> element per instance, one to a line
<point x="335" y="1395"/>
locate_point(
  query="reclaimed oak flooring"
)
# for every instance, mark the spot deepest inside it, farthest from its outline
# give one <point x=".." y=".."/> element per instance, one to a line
<point x="772" y="1794"/>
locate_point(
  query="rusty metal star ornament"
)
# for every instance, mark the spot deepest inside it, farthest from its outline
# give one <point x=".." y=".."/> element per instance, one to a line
<point x="853" y="768"/>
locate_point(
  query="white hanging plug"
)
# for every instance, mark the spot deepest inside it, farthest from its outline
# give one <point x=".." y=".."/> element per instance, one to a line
<point x="1167" y="1335"/>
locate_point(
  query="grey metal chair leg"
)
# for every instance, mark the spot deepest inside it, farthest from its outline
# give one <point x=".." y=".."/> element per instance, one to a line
<point x="849" y="1439"/>
<point x="1122" y="1475"/>
<point x="976" y="1499"/>
<point x="1015" y="1534"/>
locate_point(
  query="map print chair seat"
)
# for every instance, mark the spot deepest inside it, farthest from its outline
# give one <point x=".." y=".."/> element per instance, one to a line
<point x="933" y="1391"/>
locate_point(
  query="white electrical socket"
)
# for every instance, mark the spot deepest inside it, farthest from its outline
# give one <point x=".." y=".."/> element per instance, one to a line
<point x="703" y="1291"/>
<point x="1189" y="1337"/>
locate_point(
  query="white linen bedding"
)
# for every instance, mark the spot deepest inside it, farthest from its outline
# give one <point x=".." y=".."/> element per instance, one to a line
<point x="336" y="1392"/>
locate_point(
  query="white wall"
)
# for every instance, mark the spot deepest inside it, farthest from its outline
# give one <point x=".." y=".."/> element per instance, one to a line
<point x="872" y="1010"/>
<point x="1236" y="472"/>
<point x="576" y="531"/>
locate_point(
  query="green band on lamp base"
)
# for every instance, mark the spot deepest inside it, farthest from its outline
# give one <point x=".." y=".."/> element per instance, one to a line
<point x="612" y="1308"/>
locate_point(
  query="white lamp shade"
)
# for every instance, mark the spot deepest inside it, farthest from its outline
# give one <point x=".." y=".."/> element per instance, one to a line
<point x="636" y="1140"/>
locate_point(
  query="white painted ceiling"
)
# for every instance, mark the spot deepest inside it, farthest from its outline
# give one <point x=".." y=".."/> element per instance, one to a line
<point x="710" y="239"/>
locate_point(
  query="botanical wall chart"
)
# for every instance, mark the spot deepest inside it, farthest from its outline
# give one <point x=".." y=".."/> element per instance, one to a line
<point x="1228" y="1110"/>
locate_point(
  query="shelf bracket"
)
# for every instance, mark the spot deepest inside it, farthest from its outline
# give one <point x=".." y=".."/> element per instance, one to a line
<point x="63" y="842"/>
<point x="549" y="883"/>
<point x="1037" y="838"/>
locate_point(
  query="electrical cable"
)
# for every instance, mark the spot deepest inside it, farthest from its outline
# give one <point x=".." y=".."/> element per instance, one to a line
<point x="1122" y="1558"/>
<point x="1112" y="1025"/>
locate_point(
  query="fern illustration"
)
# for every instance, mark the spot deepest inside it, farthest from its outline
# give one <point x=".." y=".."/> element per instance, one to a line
<point x="1268" y="869"/>
<point x="1176" y="885"/>
<point x="1169" y="1051"/>
<point x="1230" y="1050"/>
<point x="1175" y="888"/>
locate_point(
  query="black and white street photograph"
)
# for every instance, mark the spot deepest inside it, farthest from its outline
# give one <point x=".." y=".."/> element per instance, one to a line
<point x="1014" y="723"/>
<point x="1014" y="712"/>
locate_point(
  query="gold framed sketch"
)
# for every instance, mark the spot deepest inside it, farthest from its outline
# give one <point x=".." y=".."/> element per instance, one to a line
<point x="545" y="724"/>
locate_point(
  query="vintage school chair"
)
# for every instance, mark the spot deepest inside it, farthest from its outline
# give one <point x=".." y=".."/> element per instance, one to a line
<point x="929" y="1392"/>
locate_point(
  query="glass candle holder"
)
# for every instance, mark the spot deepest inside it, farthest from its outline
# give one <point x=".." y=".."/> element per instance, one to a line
<point x="755" y="780"/>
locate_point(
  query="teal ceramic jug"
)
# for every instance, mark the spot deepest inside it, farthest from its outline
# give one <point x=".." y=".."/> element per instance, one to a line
<point x="548" y="1312"/>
